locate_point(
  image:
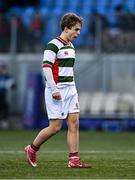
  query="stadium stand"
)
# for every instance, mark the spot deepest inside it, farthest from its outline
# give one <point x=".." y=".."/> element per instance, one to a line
<point x="51" y="10"/>
<point x="107" y="104"/>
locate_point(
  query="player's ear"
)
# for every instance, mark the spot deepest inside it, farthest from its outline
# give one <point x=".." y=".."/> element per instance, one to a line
<point x="66" y="29"/>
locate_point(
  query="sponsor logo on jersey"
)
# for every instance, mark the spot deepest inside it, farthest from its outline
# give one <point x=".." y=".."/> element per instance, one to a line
<point x="66" y="53"/>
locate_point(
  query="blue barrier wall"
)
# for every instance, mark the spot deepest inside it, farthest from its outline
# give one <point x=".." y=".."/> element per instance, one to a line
<point x="34" y="100"/>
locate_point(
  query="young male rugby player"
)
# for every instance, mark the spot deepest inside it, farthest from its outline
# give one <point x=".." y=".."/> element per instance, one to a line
<point x="61" y="96"/>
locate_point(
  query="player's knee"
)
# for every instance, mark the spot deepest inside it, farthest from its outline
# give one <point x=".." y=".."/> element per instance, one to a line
<point x="74" y="124"/>
<point x="56" y="127"/>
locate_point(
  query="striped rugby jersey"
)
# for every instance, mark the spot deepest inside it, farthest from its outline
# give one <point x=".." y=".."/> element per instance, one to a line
<point x="60" y="56"/>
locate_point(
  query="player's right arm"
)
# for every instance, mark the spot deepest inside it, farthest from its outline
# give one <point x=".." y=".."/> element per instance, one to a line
<point x="49" y="77"/>
<point x="48" y="61"/>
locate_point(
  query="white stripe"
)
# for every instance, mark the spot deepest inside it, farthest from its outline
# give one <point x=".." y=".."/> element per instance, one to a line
<point x="49" y="56"/>
<point x="58" y="151"/>
<point x="70" y="53"/>
<point x="65" y="71"/>
<point x="57" y="43"/>
<point x="74" y="157"/>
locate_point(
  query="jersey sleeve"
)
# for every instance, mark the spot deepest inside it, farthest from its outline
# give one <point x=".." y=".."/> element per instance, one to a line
<point x="50" y="54"/>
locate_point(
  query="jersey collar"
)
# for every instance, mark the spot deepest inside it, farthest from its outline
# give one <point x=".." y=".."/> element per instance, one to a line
<point x="62" y="40"/>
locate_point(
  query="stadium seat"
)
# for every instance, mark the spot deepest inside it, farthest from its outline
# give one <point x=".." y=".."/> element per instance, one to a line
<point x="124" y="104"/>
<point x="47" y="3"/>
<point x="85" y="29"/>
<point x="28" y="15"/>
<point x="97" y="103"/>
<point x="51" y="29"/>
<point x="129" y="98"/>
<point x="87" y="7"/>
<point x="60" y="7"/>
<point x="102" y="6"/>
<point x="85" y="100"/>
<point x="44" y="12"/>
<point x="116" y="2"/>
<point x="15" y="10"/>
<point x="111" y="103"/>
<point x="79" y="42"/>
<point x="73" y="6"/>
<point x="130" y="5"/>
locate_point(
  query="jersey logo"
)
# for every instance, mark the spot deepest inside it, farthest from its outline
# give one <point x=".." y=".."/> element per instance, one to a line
<point x="66" y="53"/>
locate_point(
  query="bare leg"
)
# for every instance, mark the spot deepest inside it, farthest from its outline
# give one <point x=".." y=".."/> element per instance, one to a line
<point x="73" y="132"/>
<point x="73" y="142"/>
<point x="46" y="133"/>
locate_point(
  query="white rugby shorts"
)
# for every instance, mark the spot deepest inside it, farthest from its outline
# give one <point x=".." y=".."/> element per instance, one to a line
<point x="59" y="109"/>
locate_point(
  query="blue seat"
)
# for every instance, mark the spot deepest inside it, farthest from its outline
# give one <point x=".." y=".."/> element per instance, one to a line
<point x="130" y="5"/>
<point x="87" y="7"/>
<point x="49" y="4"/>
<point x="116" y="2"/>
<point x="28" y="15"/>
<point x="60" y="4"/>
<point x="44" y="11"/>
<point x="79" y="42"/>
<point x="73" y="3"/>
<point x="72" y="6"/>
<point x="60" y="7"/>
<point x="52" y="28"/>
<point x="15" y="10"/>
<point x="86" y="25"/>
<point x="102" y="6"/>
<point x="111" y="18"/>
<point x="46" y="3"/>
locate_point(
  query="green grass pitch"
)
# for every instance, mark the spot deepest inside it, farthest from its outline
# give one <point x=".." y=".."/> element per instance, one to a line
<point x="112" y="156"/>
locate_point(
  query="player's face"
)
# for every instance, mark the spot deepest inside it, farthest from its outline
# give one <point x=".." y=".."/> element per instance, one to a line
<point x="74" y="32"/>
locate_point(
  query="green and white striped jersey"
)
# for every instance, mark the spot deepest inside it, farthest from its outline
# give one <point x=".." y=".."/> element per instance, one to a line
<point x="60" y="57"/>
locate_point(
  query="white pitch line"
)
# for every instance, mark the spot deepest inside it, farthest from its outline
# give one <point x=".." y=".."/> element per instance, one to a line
<point x="59" y="151"/>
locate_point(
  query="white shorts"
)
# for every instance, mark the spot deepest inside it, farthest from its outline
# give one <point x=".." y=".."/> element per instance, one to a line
<point x="59" y="109"/>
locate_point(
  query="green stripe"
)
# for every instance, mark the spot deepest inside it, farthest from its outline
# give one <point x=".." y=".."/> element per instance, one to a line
<point x="47" y="62"/>
<point x="65" y="78"/>
<point x="67" y="62"/>
<point x="52" y="47"/>
<point x="67" y="47"/>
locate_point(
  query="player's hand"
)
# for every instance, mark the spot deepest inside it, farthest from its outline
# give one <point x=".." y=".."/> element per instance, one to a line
<point x="56" y="95"/>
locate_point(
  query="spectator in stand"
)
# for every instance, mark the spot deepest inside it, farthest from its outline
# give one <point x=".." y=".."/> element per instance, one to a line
<point x="129" y="31"/>
<point x="21" y="33"/>
<point x="129" y="22"/>
<point x="99" y="24"/>
<point x="117" y="26"/>
<point x="121" y="32"/>
<point x="116" y="30"/>
<point x="35" y="32"/>
<point x="4" y="33"/>
<point x="6" y="83"/>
